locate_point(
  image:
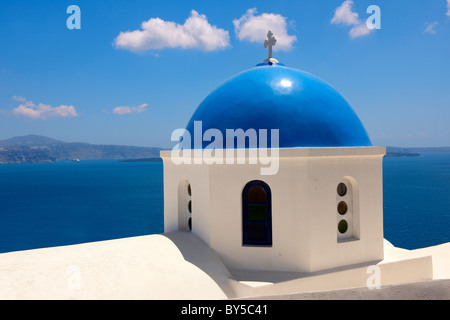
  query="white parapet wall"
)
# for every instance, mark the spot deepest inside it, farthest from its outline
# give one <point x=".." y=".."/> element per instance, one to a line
<point x="180" y="266"/>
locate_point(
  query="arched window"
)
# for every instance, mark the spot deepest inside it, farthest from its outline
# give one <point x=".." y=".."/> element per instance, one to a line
<point x="347" y="209"/>
<point x="184" y="206"/>
<point x="257" y="214"/>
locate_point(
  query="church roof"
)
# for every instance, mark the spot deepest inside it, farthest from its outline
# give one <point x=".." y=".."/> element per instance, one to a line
<point x="307" y="111"/>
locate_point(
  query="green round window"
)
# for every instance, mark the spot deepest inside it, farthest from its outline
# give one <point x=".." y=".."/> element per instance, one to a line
<point x="342" y="226"/>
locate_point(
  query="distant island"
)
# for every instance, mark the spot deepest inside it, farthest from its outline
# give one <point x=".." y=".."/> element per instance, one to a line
<point x="414" y="151"/>
<point x="35" y="148"/>
<point x="142" y="160"/>
<point x="400" y="152"/>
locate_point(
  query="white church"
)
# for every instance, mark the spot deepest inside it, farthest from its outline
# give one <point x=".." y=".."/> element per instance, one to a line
<point x="273" y="190"/>
<point x="322" y="207"/>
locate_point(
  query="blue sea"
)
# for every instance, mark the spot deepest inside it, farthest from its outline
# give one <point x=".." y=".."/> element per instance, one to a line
<point x="62" y="203"/>
<point x="416" y="192"/>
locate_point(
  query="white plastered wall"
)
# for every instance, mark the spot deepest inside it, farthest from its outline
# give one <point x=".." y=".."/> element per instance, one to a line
<point x="198" y="177"/>
<point x="304" y="224"/>
<point x="226" y="217"/>
<point x="325" y="173"/>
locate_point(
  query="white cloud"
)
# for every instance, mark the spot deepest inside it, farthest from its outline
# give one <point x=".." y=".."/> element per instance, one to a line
<point x="195" y="33"/>
<point x="359" y="31"/>
<point x="19" y="98"/>
<point x="127" y="109"/>
<point x="254" y="28"/>
<point x="42" y="111"/>
<point x="431" y="27"/>
<point x="448" y="8"/>
<point x="345" y="15"/>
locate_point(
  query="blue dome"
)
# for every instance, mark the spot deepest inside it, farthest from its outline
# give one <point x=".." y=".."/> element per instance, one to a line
<point x="307" y="111"/>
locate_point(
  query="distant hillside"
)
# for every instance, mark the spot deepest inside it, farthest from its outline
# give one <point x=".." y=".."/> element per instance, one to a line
<point x="35" y="148"/>
<point x="31" y="140"/>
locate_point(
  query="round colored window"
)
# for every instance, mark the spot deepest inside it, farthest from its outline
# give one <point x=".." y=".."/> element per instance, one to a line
<point x="342" y="189"/>
<point x="342" y="207"/>
<point x="342" y="226"/>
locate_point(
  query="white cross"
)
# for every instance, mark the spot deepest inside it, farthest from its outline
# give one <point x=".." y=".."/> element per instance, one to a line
<point x="270" y="42"/>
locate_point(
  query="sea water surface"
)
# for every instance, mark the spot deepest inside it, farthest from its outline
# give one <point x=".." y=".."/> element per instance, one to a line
<point x="416" y="193"/>
<point x="62" y="203"/>
<point x="65" y="202"/>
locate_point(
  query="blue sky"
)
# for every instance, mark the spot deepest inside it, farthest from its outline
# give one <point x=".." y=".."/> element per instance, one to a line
<point x="127" y="77"/>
